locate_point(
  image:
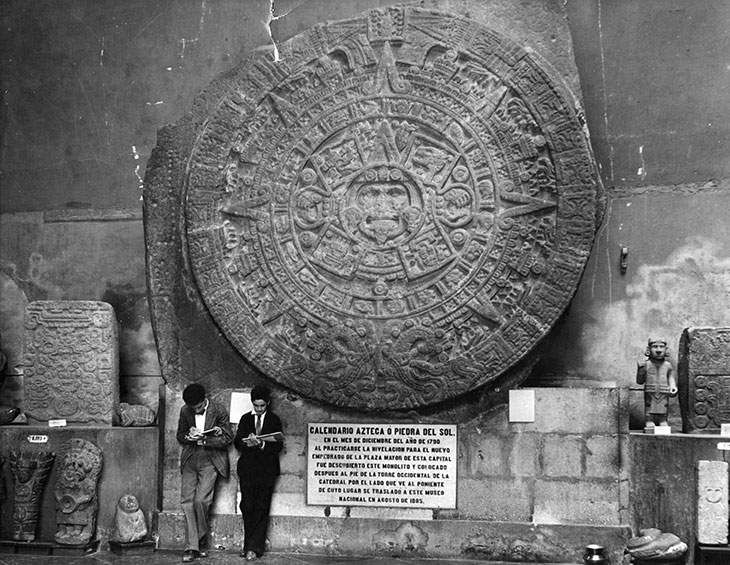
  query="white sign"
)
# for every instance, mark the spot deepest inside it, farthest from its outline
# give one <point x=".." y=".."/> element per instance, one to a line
<point x="56" y="423"/>
<point x="240" y="405"/>
<point x="37" y="439"/>
<point x="522" y="405"/>
<point x="382" y="465"/>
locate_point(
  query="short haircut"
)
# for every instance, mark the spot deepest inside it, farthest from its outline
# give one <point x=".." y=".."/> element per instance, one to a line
<point x="194" y="394"/>
<point x="261" y="392"/>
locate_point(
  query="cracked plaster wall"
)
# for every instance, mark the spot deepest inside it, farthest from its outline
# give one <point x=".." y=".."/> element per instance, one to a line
<point x="86" y="85"/>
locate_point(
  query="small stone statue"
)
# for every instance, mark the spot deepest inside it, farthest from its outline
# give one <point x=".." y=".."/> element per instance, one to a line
<point x="30" y="471"/>
<point x="75" y="491"/>
<point x="657" y="375"/>
<point x="653" y="545"/>
<point x="129" y="521"/>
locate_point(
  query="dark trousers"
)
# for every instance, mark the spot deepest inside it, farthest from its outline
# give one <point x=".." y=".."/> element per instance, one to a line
<point x="255" y="508"/>
<point x="196" y="496"/>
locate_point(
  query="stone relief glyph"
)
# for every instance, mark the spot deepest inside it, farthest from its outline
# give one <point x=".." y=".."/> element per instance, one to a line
<point x="394" y="212"/>
<point x="71" y="361"/>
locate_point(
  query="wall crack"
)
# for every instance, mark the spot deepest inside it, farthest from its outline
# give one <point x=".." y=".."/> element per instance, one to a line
<point x="273" y="17"/>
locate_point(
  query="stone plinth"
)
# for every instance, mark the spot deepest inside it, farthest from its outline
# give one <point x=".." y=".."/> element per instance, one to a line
<point x="663" y="483"/>
<point x="543" y="489"/>
<point x="71" y="362"/>
<point x="712" y="502"/>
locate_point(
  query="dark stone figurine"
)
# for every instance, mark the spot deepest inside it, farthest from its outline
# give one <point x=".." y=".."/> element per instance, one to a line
<point x="30" y="471"/>
<point x="657" y="375"/>
<point x="129" y="521"/>
<point x="77" y="501"/>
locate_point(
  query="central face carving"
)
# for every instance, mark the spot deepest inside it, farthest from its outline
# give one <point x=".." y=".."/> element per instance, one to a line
<point x="380" y="202"/>
<point x="384" y="222"/>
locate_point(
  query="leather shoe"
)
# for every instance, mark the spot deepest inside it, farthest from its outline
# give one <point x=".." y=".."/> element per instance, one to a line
<point x="251" y="556"/>
<point x="189" y="556"/>
<point x="202" y="554"/>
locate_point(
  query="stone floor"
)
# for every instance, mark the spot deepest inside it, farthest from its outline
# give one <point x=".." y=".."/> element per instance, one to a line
<point x="224" y="558"/>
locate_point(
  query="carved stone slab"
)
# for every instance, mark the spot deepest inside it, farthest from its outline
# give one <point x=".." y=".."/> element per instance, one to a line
<point x="71" y="368"/>
<point x="391" y="214"/>
<point x="75" y="491"/>
<point x="712" y="502"/>
<point x="704" y="379"/>
<point x="30" y="471"/>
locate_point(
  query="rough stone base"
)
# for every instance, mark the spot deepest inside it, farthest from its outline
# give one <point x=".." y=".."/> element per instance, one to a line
<point x="496" y="541"/>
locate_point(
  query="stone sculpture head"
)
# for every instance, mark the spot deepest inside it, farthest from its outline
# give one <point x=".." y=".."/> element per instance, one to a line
<point x="128" y="504"/>
<point x="656" y="349"/>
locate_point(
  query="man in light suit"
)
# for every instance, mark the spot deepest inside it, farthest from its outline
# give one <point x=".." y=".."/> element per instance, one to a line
<point x="258" y="469"/>
<point x="205" y="434"/>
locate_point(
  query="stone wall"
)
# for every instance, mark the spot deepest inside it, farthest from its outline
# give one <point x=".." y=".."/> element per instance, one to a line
<point x="546" y="489"/>
<point x="87" y="87"/>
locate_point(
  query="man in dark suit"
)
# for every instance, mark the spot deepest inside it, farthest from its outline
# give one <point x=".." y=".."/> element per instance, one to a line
<point x="258" y="469"/>
<point x="204" y="431"/>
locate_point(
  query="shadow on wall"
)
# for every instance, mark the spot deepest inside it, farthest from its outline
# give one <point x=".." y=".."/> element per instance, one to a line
<point x="690" y="289"/>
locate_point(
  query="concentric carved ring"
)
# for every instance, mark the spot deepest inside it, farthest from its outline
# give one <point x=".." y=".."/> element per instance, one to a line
<point x="394" y="212"/>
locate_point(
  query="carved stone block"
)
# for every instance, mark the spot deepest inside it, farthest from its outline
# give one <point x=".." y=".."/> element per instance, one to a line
<point x="77" y="501"/>
<point x="30" y="471"/>
<point x="391" y="214"/>
<point x="704" y="379"/>
<point x="712" y="502"/>
<point x="71" y="367"/>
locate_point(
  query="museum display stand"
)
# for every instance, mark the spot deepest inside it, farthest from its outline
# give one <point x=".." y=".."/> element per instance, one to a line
<point x="130" y="465"/>
<point x="663" y="487"/>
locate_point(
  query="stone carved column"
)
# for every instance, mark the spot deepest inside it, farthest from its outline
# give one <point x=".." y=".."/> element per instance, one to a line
<point x="712" y="502"/>
<point x="76" y="496"/>
<point x="704" y="379"/>
<point x="30" y="471"/>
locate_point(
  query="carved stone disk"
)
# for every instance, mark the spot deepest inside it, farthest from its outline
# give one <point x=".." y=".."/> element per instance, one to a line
<point x="394" y="212"/>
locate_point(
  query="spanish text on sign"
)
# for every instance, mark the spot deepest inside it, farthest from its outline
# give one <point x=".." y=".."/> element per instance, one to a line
<point x="390" y="465"/>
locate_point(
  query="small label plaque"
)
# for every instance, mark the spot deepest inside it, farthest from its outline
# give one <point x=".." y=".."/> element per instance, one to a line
<point x="382" y="465"/>
<point x="56" y="423"/>
<point x="37" y="439"/>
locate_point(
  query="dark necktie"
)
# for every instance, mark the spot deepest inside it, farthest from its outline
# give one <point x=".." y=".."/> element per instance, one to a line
<point x="258" y="424"/>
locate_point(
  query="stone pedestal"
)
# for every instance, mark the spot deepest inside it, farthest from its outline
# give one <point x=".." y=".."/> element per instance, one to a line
<point x="663" y="484"/>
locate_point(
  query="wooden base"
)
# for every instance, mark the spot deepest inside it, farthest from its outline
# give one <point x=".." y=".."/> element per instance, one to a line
<point x="47" y="548"/>
<point x="712" y="554"/>
<point x="132" y="547"/>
